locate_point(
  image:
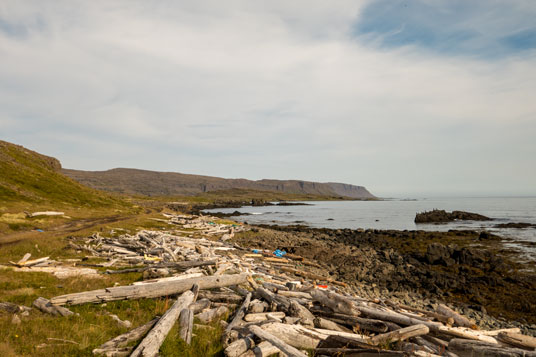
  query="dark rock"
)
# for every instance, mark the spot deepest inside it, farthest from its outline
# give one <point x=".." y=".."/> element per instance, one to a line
<point x="515" y="225"/>
<point x="442" y="216"/>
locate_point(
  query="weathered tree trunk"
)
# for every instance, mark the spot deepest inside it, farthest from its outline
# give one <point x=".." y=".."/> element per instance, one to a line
<point x="295" y="335"/>
<point x="334" y="301"/>
<point x="281" y="302"/>
<point x="433" y="326"/>
<point x="240" y="313"/>
<point x="400" y="335"/>
<point x="458" y="319"/>
<point x="45" y="306"/>
<point x="230" y="298"/>
<point x="149" y="290"/>
<point x="212" y="314"/>
<point x="294" y="294"/>
<point x="359" y="322"/>
<point x="239" y="347"/>
<point x="263" y="349"/>
<point x="518" y="340"/>
<point x="439" y="317"/>
<point x="464" y="347"/>
<point x="123" y="340"/>
<point x="320" y="322"/>
<point x="284" y="347"/>
<point x="154" y="339"/>
<point x="200" y="305"/>
<point x="263" y="316"/>
<point x="186" y="325"/>
<point x="297" y="310"/>
<point x="356" y="352"/>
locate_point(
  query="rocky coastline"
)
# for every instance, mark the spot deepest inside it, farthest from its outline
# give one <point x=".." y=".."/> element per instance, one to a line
<point x="472" y="270"/>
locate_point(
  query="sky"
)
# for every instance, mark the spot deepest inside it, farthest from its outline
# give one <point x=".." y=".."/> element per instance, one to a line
<point x="408" y="98"/>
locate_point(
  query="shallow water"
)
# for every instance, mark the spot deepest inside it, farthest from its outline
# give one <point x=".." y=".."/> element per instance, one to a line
<point x="399" y="214"/>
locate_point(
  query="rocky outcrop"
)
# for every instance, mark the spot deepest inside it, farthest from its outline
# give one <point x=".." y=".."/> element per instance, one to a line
<point x="441" y="216"/>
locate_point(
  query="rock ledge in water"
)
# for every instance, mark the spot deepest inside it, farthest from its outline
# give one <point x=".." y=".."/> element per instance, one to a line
<point x="442" y="216"/>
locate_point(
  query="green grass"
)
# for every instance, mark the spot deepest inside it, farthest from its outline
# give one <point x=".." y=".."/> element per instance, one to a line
<point x="34" y="178"/>
<point x="92" y="327"/>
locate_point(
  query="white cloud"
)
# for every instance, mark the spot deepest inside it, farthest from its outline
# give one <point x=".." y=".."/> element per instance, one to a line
<point x="251" y="89"/>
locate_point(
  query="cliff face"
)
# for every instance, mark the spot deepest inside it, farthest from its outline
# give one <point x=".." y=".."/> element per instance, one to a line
<point x="352" y="191"/>
<point x="152" y="183"/>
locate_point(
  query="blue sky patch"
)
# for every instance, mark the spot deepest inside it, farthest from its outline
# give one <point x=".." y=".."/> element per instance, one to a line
<point x="478" y="28"/>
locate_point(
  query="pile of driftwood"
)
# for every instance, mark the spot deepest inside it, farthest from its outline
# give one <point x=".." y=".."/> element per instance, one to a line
<point x="277" y="305"/>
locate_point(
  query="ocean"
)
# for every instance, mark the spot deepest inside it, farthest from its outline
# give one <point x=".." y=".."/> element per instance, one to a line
<point x="399" y="214"/>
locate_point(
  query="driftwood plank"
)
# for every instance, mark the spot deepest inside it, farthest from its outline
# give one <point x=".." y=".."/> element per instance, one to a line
<point x="151" y="343"/>
<point x="149" y="290"/>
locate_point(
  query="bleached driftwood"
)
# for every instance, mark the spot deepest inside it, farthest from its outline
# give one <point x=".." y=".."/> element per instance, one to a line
<point x="334" y="301"/>
<point x="263" y="349"/>
<point x="464" y="347"/>
<point x="149" y="290"/>
<point x="151" y="343"/>
<point x="212" y="314"/>
<point x="400" y="335"/>
<point x="63" y="272"/>
<point x="239" y="315"/>
<point x="320" y="322"/>
<point x="280" y="344"/>
<point x="45" y="306"/>
<point x="297" y="310"/>
<point x="47" y="213"/>
<point x="518" y="340"/>
<point x="239" y="347"/>
<point x="186" y="325"/>
<point x="112" y="347"/>
<point x="263" y="316"/>
<point x="360" y="323"/>
<point x="459" y="320"/>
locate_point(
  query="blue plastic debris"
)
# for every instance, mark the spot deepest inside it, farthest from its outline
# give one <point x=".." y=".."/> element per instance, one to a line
<point x="256" y="251"/>
<point x="279" y="253"/>
<point x="39" y="230"/>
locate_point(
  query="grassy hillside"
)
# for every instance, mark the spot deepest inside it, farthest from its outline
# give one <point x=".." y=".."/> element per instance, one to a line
<point x="30" y="181"/>
<point x="34" y="178"/>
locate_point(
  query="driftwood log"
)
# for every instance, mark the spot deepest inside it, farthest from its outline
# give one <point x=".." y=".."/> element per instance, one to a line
<point x="240" y="313"/>
<point x="239" y="347"/>
<point x="458" y="319"/>
<point x="334" y="301"/>
<point x="263" y="349"/>
<point x="518" y="340"/>
<point x="149" y="290"/>
<point x="151" y="343"/>
<point x="186" y="325"/>
<point x="275" y="341"/>
<point x="400" y="335"/>
<point x="45" y="306"/>
<point x="114" y="346"/>
<point x="464" y="347"/>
